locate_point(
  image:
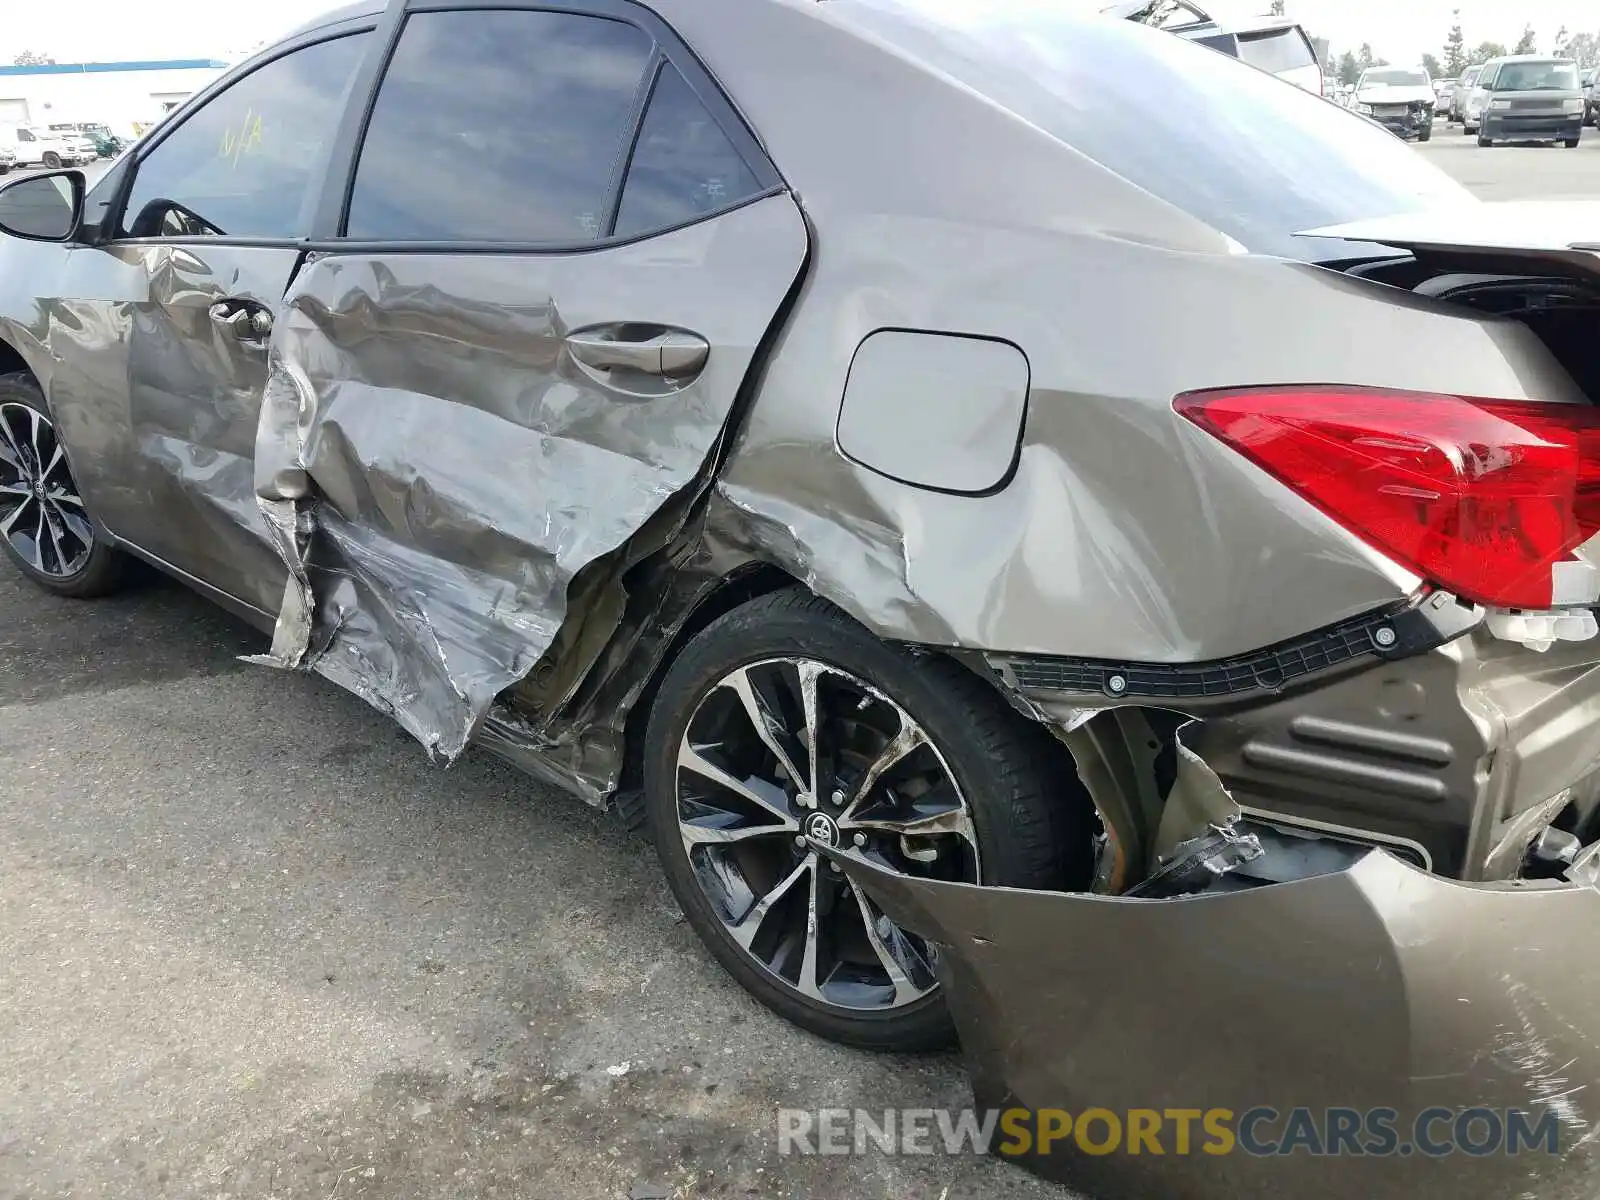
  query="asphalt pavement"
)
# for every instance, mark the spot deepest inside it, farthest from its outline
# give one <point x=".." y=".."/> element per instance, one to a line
<point x="252" y="945"/>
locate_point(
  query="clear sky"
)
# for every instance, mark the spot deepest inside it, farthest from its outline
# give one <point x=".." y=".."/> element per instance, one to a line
<point x="91" y="30"/>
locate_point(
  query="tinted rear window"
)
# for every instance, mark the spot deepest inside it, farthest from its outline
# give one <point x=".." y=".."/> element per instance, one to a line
<point x="684" y="167"/>
<point x="1253" y="157"/>
<point x="1280" y="50"/>
<point x="499" y="125"/>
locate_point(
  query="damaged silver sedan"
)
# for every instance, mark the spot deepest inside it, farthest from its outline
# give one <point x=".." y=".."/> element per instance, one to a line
<point x="1111" y="579"/>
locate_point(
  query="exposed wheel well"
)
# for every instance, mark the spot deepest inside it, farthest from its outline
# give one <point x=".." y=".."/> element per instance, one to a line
<point x="10" y="361"/>
<point x="744" y="585"/>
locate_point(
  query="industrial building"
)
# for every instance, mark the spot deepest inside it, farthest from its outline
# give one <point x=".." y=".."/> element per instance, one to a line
<point x="119" y="94"/>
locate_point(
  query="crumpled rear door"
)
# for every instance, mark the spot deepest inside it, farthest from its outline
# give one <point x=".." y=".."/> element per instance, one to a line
<point x="448" y="439"/>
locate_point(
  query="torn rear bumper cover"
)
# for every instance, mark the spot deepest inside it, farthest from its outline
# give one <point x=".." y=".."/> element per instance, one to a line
<point x="1378" y="986"/>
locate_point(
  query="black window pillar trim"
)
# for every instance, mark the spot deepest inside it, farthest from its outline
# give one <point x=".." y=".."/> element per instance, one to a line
<point x="619" y="170"/>
<point x="328" y="214"/>
<point x="332" y="210"/>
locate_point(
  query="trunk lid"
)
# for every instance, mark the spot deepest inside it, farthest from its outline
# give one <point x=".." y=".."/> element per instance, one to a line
<point x="1564" y="232"/>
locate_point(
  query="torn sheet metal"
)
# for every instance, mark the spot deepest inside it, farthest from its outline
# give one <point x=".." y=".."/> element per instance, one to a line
<point x="1376" y="986"/>
<point x="436" y="471"/>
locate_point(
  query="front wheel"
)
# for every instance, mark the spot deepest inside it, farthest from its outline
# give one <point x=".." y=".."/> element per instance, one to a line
<point x="52" y="160"/>
<point x="1485" y="141"/>
<point x="1571" y="143"/>
<point x="44" y="528"/>
<point x="784" y="726"/>
<point x="1425" y="135"/>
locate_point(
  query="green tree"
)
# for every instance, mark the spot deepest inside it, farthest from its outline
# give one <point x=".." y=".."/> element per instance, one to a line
<point x="1431" y="65"/>
<point x="1484" y="51"/>
<point x="1527" y="43"/>
<point x="1455" y="49"/>
<point x="1277" y="8"/>
<point x="1561" y="42"/>
<point x="32" y="58"/>
<point x="1349" y="69"/>
<point x="1585" y="48"/>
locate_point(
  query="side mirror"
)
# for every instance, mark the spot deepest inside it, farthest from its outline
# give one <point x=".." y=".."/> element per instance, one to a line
<point x="43" y="208"/>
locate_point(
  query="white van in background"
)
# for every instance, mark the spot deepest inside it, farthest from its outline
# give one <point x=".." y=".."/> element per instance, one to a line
<point x="38" y="145"/>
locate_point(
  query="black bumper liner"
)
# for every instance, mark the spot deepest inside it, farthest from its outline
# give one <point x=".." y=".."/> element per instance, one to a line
<point x="1394" y="632"/>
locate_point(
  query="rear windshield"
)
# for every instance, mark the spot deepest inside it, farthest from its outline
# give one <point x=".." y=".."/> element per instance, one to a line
<point x="1276" y="50"/>
<point x="1395" y="78"/>
<point x="1251" y="155"/>
<point x="1537" y="77"/>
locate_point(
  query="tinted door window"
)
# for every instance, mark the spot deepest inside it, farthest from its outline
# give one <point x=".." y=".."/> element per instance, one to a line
<point x="499" y="125"/>
<point x="683" y="166"/>
<point x="244" y="163"/>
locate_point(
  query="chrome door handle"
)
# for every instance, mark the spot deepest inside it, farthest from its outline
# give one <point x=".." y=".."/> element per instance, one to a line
<point x="671" y="353"/>
<point x="247" y="321"/>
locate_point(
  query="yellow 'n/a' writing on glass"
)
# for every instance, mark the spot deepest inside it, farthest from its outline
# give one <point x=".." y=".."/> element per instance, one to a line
<point x="239" y="142"/>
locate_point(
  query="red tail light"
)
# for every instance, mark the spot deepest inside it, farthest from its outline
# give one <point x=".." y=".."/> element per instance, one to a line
<point x="1481" y="497"/>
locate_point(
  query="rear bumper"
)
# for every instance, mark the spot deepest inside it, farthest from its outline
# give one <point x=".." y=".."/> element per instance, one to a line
<point x="1375" y="989"/>
<point x="1407" y="984"/>
<point x="1516" y="128"/>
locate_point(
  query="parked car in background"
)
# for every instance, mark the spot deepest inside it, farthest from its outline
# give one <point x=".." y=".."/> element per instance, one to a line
<point x="1472" y="106"/>
<point x="46" y="147"/>
<point x="1463" y="89"/>
<point x="8" y="159"/>
<point x="1398" y="98"/>
<point x="1529" y="97"/>
<point x="1591" y="109"/>
<point x="105" y="143"/>
<point x="88" y="136"/>
<point x="1444" y="91"/>
<point x="1277" y="45"/>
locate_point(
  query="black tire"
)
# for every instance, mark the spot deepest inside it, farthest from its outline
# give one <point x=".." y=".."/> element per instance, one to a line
<point x="1485" y="141"/>
<point x="1034" y="824"/>
<point x="1571" y="143"/>
<point x="102" y="571"/>
<point x="52" y="160"/>
<point x="1426" y="134"/>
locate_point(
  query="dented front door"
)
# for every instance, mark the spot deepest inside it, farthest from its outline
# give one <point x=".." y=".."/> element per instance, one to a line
<point x="197" y="364"/>
<point x="457" y="435"/>
<point x="208" y="239"/>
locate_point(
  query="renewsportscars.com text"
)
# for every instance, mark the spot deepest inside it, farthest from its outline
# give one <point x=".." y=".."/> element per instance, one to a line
<point x="1260" y="1132"/>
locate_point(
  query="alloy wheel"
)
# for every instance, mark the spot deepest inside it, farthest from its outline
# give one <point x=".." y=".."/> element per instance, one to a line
<point x="787" y="754"/>
<point x="41" y="514"/>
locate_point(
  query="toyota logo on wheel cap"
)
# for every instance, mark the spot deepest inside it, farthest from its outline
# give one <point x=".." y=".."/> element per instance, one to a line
<point x="819" y="827"/>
